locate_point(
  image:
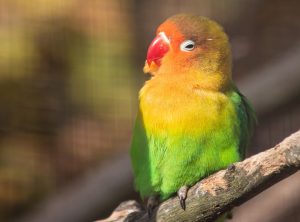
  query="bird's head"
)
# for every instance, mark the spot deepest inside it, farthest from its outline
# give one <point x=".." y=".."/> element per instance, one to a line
<point x="190" y="45"/>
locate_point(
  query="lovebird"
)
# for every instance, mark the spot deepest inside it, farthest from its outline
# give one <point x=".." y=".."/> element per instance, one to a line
<point x="192" y="119"/>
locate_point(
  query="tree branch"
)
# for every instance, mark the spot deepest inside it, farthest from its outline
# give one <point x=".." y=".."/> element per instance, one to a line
<point x="225" y="189"/>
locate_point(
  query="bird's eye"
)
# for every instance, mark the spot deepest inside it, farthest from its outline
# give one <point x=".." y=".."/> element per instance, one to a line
<point x="187" y="45"/>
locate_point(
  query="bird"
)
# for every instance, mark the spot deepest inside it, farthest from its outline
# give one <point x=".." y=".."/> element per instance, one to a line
<point x="192" y="119"/>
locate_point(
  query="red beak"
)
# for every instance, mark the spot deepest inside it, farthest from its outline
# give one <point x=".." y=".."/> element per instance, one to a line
<point x="158" y="48"/>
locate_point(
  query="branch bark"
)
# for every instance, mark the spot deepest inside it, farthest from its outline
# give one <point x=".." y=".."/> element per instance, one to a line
<point x="223" y="190"/>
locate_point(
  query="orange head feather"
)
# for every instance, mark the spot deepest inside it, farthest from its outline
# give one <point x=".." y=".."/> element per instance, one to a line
<point x="198" y="50"/>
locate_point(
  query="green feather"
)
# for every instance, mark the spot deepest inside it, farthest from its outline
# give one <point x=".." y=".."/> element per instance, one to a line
<point x="162" y="163"/>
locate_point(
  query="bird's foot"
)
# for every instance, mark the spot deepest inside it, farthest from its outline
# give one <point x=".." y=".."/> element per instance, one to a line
<point x="152" y="202"/>
<point x="231" y="167"/>
<point x="182" y="195"/>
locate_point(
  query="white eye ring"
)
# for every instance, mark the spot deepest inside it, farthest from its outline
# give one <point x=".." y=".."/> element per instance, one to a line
<point x="187" y="45"/>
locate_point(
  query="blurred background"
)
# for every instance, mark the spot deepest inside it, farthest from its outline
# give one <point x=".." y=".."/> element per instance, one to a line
<point x="70" y="72"/>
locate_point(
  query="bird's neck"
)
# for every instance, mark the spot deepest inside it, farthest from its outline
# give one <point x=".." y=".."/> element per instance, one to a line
<point x="196" y="79"/>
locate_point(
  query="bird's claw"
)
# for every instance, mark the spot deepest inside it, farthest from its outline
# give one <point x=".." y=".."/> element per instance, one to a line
<point x="182" y="195"/>
<point x="149" y="211"/>
<point x="152" y="202"/>
<point x="231" y="167"/>
<point x="182" y="203"/>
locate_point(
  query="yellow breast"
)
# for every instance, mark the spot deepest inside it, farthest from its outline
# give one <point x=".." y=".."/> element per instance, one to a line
<point x="179" y="108"/>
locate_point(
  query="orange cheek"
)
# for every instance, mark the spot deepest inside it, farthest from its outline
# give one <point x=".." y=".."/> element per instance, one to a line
<point x="176" y="63"/>
<point x="181" y="58"/>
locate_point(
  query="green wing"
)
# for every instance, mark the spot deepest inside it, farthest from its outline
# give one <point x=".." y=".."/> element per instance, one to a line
<point x="139" y="153"/>
<point x="247" y="119"/>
